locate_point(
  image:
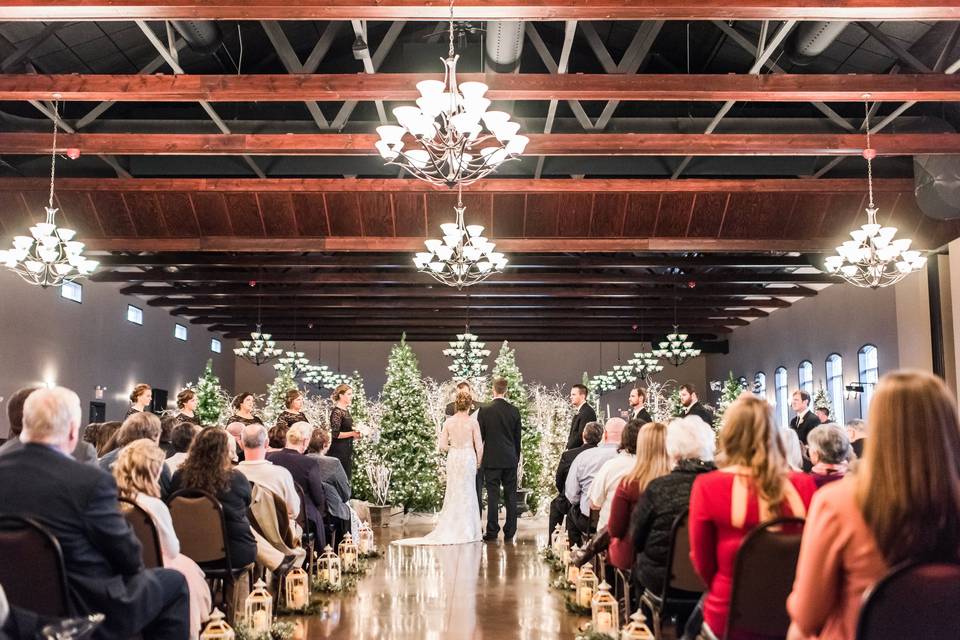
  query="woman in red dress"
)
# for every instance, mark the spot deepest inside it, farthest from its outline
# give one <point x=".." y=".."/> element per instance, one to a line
<point x="753" y="484"/>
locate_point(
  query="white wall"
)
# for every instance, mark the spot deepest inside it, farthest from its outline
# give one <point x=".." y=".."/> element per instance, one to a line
<point x="48" y="339"/>
<point x="549" y="363"/>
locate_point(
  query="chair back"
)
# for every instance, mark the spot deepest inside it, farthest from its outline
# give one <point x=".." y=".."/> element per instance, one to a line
<point x="302" y="516"/>
<point x="198" y="520"/>
<point x="32" y="571"/>
<point x="146" y="532"/>
<point x="682" y="576"/>
<point x="762" y="579"/>
<point x="914" y="600"/>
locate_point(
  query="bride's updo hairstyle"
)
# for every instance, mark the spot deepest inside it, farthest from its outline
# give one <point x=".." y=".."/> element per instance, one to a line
<point x="463" y="401"/>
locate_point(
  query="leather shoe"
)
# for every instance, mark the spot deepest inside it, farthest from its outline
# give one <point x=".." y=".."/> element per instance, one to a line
<point x="489" y="538"/>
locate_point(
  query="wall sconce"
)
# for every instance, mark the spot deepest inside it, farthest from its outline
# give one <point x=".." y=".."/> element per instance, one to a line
<point x="98" y="392"/>
<point x="853" y="390"/>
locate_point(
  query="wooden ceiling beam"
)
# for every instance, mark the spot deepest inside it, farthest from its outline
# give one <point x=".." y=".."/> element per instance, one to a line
<point x="720" y="326"/>
<point x="62" y="10"/>
<point x="583" y="277"/>
<point x="541" y="144"/>
<point x="202" y="303"/>
<point x="706" y="342"/>
<point x="368" y="244"/>
<point x="490" y="290"/>
<point x="208" y="315"/>
<point x="487" y="185"/>
<point x="527" y="86"/>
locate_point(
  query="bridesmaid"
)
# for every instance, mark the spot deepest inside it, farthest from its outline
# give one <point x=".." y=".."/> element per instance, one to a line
<point x="341" y="428"/>
<point x="186" y="407"/>
<point x="140" y="399"/>
<point x="293" y="400"/>
<point x="243" y="408"/>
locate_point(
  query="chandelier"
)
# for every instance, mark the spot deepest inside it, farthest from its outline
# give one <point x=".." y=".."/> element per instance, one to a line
<point x="449" y="146"/>
<point x="259" y="348"/>
<point x="296" y="361"/>
<point x="49" y="256"/>
<point x="468" y="353"/>
<point x="321" y="376"/>
<point x="645" y="365"/>
<point x="873" y="258"/>
<point x="676" y="349"/>
<point x="464" y="257"/>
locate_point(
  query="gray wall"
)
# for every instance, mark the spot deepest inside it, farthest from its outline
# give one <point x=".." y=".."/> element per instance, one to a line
<point x="549" y="363"/>
<point x="49" y="339"/>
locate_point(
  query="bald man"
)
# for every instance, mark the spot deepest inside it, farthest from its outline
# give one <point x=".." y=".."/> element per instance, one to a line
<point x="584" y="468"/>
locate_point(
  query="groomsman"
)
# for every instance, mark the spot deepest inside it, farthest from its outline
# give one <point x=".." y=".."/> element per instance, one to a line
<point x="638" y="410"/>
<point x="584" y="414"/>
<point x="689" y="399"/>
<point x="805" y="421"/>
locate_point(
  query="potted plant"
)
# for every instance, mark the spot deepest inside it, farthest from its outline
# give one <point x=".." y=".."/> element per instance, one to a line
<point x="381" y="512"/>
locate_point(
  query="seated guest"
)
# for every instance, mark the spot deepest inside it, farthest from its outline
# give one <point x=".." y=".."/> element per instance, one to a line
<point x="829" y="451"/>
<point x="306" y="473"/>
<point x="791" y="444"/>
<point x="84" y="452"/>
<point x="582" y="471"/>
<point x="276" y="438"/>
<point x="261" y="471"/>
<point x="181" y="438"/>
<point x="645" y="548"/>
<point x="335" y="483"/>
<point x="137" y="473"/>
<point x="652" y="462"/>
<point x="560" y="506"/>
<point x="90" y="432"/>
<point x="187" y="407"/>
<point x="106" y="437"/>
<point x="138" y="426"/>
<point x="607" y="479"/>
<point x="140" y="399"/>
<point x="167" y="423"/>
<point x="208" y="468"/>
<point x="857" y="434"/>
<point x="753" y="484"/>
<point x="235" y="429"/>
<point x="77" y="503"/>
<point x="902" y="504"/>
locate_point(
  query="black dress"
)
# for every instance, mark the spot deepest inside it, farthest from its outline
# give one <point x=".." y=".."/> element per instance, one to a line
<point x="182" y="417"/>
<point x="132" y="411"/>
<point x="287" y="419"/>
<point x="254" y="420"/>
<point x="341" y="448"/>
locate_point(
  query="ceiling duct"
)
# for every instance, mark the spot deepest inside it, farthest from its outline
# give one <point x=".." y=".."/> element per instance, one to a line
<point x="809" y="39"/>
<point x="202" y="36"/>
<point x="936" y="177"/>
<point x="504" y="44"/>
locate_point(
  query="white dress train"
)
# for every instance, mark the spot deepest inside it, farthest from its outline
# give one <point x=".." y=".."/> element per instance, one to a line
<point x="459" y="519"/>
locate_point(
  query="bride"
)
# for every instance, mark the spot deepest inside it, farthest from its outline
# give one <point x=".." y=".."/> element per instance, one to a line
<point x="459" y="520"/>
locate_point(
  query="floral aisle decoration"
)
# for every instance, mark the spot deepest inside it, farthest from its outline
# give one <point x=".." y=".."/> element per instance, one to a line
<point x="550" y="414"/>
<point x="213" y="402"/>
<point x="408" y="445"/>
<point x="731" y="390"/>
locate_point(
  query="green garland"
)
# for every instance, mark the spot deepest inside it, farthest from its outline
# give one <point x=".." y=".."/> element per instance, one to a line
<point x="574" y="607"/>
<point x="278" y="631"/>
<point x="587" y="633"/>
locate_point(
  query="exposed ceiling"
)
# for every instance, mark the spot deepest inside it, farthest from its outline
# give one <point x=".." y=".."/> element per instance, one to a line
<point x="703" y="189"/>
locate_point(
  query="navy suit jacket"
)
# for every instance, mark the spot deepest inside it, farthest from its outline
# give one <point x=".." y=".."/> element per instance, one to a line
<point x="307" y="474"/>
<point x="78" y="504"/>
<point x="500" y="429"/>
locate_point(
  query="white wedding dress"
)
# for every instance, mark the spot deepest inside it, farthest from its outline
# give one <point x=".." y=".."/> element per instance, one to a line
<point x="459" y="519"/>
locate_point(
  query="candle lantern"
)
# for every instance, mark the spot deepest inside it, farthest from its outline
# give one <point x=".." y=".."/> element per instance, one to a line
<point x="637" y="628"/>
<point x="297" y="588"/>
<point x="572" y="570"/>
<point x="258" y="609"/>
<point x="562" y="549"/>
<point x="217" y="628"/>
<point x="328" y="568"/>
<point x="555" y="539"/>
<point x="606" y="614"/>
<point x="586" y="585"/>
<point x="366" y="543"/>
<point x="348" y="554"/>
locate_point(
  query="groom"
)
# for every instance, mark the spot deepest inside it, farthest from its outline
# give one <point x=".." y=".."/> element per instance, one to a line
<point x="500" y="430"/>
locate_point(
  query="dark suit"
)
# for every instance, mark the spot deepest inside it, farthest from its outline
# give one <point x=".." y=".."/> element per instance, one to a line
<point x="584" y="415"/>
<point x="858" y="445"/>
<point x="308" y="476"/>
<point x="697" y="409"/>
<point x="500" y="429"/>
<point x="642" y="415"/>
<point x="560" y="506"/>
<point x="78" y="504"/>
<point x="804" y="427"/>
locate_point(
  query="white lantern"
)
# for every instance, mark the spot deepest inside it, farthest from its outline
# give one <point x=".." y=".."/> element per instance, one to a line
<point x="348" y="554"/>
<point x="586" y="585"/>
<point x="296" y="585"/>
<point x="217" y="628"/>
<point x="258" y="609"/>
<point x="605" y="611"/>
<point x="328" y="568"/>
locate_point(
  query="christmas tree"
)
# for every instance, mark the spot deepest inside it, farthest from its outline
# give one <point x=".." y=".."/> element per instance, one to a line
<point x="676" y="408"/>
<point x="468" y="353"/>
<point x="408" y="444"/>
<point x="364" y="449"/>
<point x="821" y="400"/>
<point x="284" y="381"/>
<point x="505" y="366"/>
<point x="211" y="398"/>
<point x="732" y="388"/>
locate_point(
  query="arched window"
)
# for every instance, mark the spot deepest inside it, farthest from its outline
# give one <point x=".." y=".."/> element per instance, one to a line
<point x="869" y="375"/>
<point x="835" y="386"/>
<point x="743" y="382"/>
<point x="781" y="395"/>
<point x="760" y="384"/>
<point x="805" y="372"/>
